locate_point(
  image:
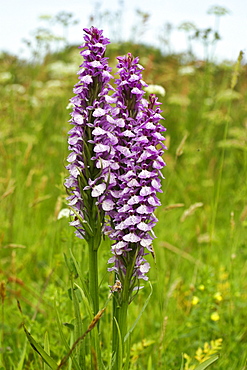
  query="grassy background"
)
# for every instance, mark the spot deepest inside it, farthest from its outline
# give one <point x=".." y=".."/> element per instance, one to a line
<point x="199" y="276"/>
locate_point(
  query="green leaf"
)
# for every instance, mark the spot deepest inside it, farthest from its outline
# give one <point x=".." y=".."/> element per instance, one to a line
<point x="37" y="347"/>
<point x="71" y="266"/>
<point x="70" y="326"/>
<point x="83" y="222"/>
<point x="207" y="363"/>
<point x="149" y="363"/>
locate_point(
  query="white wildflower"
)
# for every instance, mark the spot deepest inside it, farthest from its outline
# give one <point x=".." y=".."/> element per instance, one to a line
<point x="65" y="212"/>
<point x="155" y="89"/>
<point x="186" y="71"/>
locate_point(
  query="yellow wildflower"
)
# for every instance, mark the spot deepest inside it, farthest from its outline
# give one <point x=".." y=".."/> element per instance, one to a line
<point x="215" y="316"/>
<point x="218" y="297"/>
<point x="195" y="300"/>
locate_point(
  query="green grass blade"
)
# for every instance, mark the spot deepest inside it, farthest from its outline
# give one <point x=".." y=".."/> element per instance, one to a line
<point x="140" y="314"/>
<point x="21" y="362"/>
<point x="46" y="348"/>
<point x="37" y="347"/>
<point x="62" y="336"/>
<point x="78" y="270"/>
<point x="182" y="363"/>
<point x="86" y="302"/>
<point x="207" y="363"/>
<point x="95" y="338"/>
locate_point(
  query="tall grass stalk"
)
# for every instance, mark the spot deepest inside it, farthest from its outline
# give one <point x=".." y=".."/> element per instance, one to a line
<point x="235" y="73"/>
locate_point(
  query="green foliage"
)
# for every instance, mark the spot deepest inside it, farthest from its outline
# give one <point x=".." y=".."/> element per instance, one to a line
<point x="199" y="271"/>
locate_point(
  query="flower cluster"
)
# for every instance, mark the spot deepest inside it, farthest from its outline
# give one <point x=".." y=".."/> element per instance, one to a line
<point x="130" y="203"/>
<point x="89" y="104"/>
<point x="116" y="156"/>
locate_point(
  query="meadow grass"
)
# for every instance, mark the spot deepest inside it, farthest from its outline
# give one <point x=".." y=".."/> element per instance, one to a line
<point x="199" y="272"/>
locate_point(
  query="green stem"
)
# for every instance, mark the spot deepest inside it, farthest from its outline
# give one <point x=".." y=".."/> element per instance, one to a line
<point x="123" y="309"/>
<point x="120" y="312"/>
<point x="94" y="293"/>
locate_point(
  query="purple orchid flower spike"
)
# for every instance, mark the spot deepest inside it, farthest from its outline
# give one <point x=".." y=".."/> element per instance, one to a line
<point x="136" y="163"/>
<point x="90" y="104"/>
<point x="115" y="162"/>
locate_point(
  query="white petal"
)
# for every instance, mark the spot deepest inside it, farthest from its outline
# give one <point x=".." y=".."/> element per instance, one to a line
<point x="99" y="148"/>
<point x="98" y="190"/>
<point x="144" y="174"/>
<point x="99" y="112"/>
<point x="146" y="190"/>
<point x="78" y="119"/>
<point x="132" y="238"/>
<point x="86" y="79"/>
<point x="145" y="268"/>
<point x="143" y="226"/>
<point x="98" y="131"/>
<point x="65" y="212"/>
<point x="107" y="205"/>
<point x="142" y="209"/>
<point x="146" y="242"/>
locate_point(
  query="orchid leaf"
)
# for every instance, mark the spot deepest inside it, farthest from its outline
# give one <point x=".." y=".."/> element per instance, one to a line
<point x="39" y="349"/>
<point x="207" y="363"/>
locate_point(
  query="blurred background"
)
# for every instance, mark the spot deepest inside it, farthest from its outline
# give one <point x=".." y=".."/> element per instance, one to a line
<point x="160" y="23"/>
